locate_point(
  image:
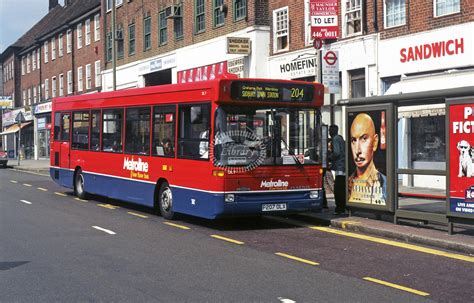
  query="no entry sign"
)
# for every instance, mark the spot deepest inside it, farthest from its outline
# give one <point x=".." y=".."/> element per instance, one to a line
<point x="324" y="19"/>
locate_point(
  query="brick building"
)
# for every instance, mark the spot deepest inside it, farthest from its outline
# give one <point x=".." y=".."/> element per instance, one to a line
<point x="169" y="41"/>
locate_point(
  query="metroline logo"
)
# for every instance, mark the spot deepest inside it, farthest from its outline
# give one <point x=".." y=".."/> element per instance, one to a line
<point x="135" y="165"/>
<point x="274" y="184"/>
<point x="434" y="49"/>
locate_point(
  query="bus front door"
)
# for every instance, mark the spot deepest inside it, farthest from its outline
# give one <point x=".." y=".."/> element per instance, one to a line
<point x="64" y="149"/>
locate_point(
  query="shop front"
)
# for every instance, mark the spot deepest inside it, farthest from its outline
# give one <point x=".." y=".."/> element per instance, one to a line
<point x="13" y="132"/>
<point x="42" y="117"/>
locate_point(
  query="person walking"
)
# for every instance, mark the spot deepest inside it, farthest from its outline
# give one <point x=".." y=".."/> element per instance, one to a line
<point x="338" y="159"/>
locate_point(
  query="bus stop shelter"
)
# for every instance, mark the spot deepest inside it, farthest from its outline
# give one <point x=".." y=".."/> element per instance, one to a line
<point x="412" y="155"/>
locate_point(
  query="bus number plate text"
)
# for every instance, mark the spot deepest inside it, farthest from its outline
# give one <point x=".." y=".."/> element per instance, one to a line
<point x="274" y="207"/>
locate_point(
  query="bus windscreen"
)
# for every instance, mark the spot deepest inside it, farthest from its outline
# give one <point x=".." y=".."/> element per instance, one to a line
<point x="272" y="92"/>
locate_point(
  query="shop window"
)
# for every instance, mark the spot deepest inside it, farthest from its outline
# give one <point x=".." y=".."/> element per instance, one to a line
<point x="112" y="123"/>
<point x="446" y="7"/>
<point x="357" y="81"/>
<point x="194" y="131"/>
<point x="395" y="13"/>
<point x="281" y="39"/>
<point x="164" y="131"/>
<point x="95" y="130"/>
<point x="137" y="131"/>
<point x="80" y="130"/>
<point x="352" y="12"/>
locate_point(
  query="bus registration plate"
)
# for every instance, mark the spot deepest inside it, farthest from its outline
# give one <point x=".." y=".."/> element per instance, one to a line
<point x="274" y="207"/>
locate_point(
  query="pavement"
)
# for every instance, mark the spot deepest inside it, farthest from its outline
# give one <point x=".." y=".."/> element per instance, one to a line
<point x="410" y="231"/>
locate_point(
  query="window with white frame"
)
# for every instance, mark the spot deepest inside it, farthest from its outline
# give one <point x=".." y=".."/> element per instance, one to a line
<point x="24" y="97"/>
<point x="395" y="13"/>
<point x="109" y="4"/>
<point x="39" y="93"/>
<point x="46" y="51"/>
<point x="38" y="56"/>
<point x="98" y="80"/>
<point x="307" y="21"/>
<point x="53" y="87"/>
<point x="69" y="82"/>
<point x="33" y="59"/>
<point x="69" y="41"/>
<point x="79" y="35"/>
<point x="34" y="94"/>
<point x="446" y="7"/>
<point x="97" y="27"/>
<point x="88" y="76"/>
<point x="23" y="67"/>
<point x="281" y="39"/>
<point x="53" y="48"/>
<point x="88" y="31"/>
<point x="28" y="63"/>
<point x="352" y="12"/>
<point x="61" y="85"/>
<point x="60" y="45"/>
<point x="46" y="89"/>
<point x="29" y="96"/>
<point x="79" y="79"/>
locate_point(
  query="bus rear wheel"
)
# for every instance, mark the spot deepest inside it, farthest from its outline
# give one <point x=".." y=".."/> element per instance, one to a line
<point x="79" y="185"/>
<point x="165" y="202"/>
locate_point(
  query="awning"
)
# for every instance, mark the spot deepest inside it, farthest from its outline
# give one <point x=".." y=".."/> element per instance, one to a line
<point x="14" y="128"/>
<point x="446" y="80"/>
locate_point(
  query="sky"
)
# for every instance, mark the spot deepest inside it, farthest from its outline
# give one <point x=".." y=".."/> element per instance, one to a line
<point x="17" y="17"/>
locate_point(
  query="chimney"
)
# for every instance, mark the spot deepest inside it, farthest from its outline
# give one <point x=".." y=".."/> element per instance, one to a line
<point x="52" y="4"/>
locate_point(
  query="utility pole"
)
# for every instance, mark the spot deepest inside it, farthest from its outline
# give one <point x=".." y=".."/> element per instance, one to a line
<point x="114" y="57"/>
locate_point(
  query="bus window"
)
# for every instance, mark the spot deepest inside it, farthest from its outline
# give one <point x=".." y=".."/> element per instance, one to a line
<point x="137" y="131"/>
<point x="95" y="130"/>
<point x="112" y="130"/>
<point x="194" y="131"/>
<point x="57" y="126"/>
<point x="164" y="131"/>
<point x="65" y="125"/>
<point x="80" y="130"/>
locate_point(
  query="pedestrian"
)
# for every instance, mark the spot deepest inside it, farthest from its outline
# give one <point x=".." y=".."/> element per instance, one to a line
<point x="337" y="157"/>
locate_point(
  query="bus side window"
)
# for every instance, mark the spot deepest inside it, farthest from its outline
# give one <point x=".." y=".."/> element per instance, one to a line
<point x="80" y="130"/>
<point x="65" y="126"/>
<point x="112" y="123"/>
<point x="194" y="128"/>
<point x="164" y="131"/>
<point x="95" y="130"/>
<point x="137" y="131"/>
<point x="57" y="126"/>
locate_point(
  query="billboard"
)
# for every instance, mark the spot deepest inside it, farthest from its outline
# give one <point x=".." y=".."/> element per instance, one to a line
<point x="324" y="19"/>
<point x="461" y="158"/>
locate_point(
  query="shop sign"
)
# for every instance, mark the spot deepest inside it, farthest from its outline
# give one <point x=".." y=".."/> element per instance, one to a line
<point x="236" y="66"/>
<point x="43" y="108"/>
<point x="42" y="123"/>
<point x="461" y="160"/>
<point x="324" y="19"/>
<point x="202" y="73"/>
<point x="330" y="70"/>
<point x="157" y="65"/>
<point x="236" y="45"/>
<point x="8" y="118"/>
<point x="6" y="102"/>
<point x="294" y="66"/>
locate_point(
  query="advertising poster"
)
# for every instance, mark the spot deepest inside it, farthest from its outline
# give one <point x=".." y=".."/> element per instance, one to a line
<point x="461" y="160"/>
<point x="367" y="148"/>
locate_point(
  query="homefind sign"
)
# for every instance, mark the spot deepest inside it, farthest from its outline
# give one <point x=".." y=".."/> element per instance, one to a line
<point x="294" y="66"/>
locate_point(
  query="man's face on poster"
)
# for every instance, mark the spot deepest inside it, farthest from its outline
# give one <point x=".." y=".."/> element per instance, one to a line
<point x="364" y="140"/>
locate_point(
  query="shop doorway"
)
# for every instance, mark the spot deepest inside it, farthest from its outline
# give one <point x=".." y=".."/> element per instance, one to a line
<point x="158" y="78"/>
<point x="43" y="143"/>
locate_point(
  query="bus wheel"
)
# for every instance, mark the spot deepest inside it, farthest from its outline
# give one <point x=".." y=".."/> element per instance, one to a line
<point x="79" y="185"/>
<point x="165" y="201"/>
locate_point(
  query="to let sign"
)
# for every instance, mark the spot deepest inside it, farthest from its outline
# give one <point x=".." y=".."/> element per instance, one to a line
<point x="324" y="20"/>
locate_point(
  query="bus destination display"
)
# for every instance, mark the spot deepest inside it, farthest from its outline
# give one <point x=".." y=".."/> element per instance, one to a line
<point x="267" y="91"/>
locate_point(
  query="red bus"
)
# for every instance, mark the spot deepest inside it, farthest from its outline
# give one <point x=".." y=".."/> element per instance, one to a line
<point x="209" y="149"/>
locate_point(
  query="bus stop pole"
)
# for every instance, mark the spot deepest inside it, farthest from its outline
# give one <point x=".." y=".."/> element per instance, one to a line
<point x="19" y="141"/>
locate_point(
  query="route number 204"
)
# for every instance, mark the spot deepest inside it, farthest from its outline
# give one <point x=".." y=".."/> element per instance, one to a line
<point x="297" y="93"/>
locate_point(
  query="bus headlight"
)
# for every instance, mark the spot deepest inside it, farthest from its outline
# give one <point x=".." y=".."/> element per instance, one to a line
<point x="229" y="198"/>
<point x="314" y="194"/>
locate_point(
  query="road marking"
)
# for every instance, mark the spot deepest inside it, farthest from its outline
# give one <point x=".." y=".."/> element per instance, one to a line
<point x="81" y="200"/>
<point x="137" y="215"/>
<point x="60" y="194"/>
<point x="108" y="206"/>
<point x="43" y="189"/>
<point x="176" y="225"/>
<point x="414" y="291"/>
<point x="285" y="300"/>
<point x="27" y="185"/>
<point x="13" y="181"/>
<point x="227" y="239"/>
<point x="296" y="258"/>
<point x="396" y="244"/>
<point x="24" y="201"/>
<point x="104" y="230"/>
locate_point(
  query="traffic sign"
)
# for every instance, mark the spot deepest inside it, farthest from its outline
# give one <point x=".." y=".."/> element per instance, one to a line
<point x="330" y="58"/>
<point x="317" y="44"/>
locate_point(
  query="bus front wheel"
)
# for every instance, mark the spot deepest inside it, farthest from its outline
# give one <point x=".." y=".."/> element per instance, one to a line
<point x="165" y="202"/>
<point x="79" y="185"/>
